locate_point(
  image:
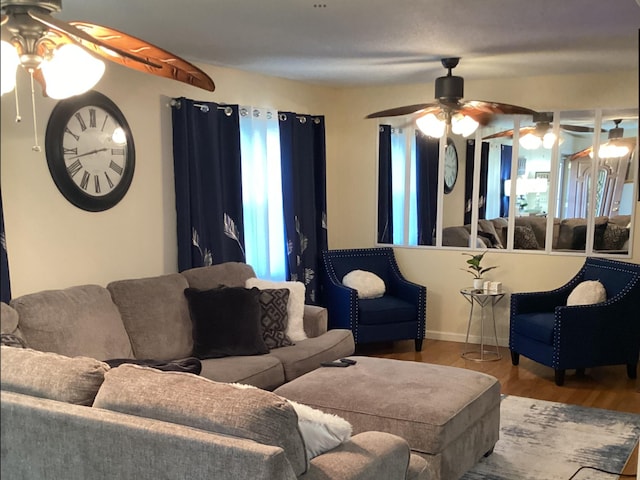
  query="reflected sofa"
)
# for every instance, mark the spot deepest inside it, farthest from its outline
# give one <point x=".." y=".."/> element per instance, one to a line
<point x="611" y="233"/>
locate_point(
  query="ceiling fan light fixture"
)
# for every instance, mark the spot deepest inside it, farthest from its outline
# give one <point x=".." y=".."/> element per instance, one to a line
<point x="612" y="150"/>
<point x="10" y="62"/>
<point x="549" y="139"/>
<point x="530" y="141"/>
<point x="71" y="71"/>
<point x="463" y="125"/>
<point x="431" y="125"/>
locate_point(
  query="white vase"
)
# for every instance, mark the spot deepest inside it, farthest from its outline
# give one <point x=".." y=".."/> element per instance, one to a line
<point x="478" y="283"/>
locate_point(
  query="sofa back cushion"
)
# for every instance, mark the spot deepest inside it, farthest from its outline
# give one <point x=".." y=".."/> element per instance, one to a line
<point x="195" y="401"/>
<point x="49" y="375"/>
<point x="156" y="315"/>
<point x="230" y="274"/>
<point x="9" y="330"/>
<point x="77" y="321"/>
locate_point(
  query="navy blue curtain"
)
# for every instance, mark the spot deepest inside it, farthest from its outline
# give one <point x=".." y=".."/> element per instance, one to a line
<point x="427" y="151"/>
<point x="484" y="176"/>
<point x="385" y="188"/>
<point x="208" y="183"/>
<point x="303" y="161"/>
<point x="5" y="285"/>
<point x="468" y="180"/>
<point x="505" y="174"/>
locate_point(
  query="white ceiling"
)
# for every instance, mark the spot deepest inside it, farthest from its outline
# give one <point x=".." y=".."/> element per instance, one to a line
<point x="374" y="42"/>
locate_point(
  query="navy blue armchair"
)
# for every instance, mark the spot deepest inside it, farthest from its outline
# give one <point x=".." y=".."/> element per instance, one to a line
<point x="400" y="314"/>
<point x="545" y="329"/>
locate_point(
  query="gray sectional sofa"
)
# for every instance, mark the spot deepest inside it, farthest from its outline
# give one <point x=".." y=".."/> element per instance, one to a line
<point x="68" y="415"/>
<point x="148" y="318"/>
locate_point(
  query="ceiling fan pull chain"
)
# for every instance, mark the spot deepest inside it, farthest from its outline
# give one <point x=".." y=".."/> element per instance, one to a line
<point x="18" y="117"/>
<point x="36" y="147"/>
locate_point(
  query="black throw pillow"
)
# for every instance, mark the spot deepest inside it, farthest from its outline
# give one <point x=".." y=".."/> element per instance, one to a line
<point x="226" y="321"/>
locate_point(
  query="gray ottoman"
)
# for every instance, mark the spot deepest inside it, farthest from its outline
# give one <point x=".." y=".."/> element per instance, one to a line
<point x="450" y="416"/>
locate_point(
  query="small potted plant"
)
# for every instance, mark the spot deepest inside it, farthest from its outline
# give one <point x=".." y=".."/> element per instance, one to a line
<point x="476" y="269"/>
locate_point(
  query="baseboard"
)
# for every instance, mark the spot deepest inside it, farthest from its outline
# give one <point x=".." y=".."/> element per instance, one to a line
<point x="458" y="337"/>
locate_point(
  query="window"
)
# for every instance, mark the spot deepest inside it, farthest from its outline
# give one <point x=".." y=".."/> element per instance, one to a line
<point x="566" y="183"/>
<point x="262" y="193"/>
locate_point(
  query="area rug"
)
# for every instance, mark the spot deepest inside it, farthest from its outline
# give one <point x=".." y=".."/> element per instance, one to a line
<point x="542" y="440"/>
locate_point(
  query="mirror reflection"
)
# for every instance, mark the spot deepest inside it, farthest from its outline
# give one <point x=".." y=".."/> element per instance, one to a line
<point x="556" y="181"/>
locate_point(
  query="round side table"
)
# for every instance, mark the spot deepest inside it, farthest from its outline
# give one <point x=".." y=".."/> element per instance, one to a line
<point x="482" y="298"/>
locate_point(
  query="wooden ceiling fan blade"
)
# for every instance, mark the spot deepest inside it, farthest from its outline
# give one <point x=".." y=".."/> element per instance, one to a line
<point x="399" y="111"/>
<point x="143" y="56"/>
<point x="496" y="108"/>
<point x="505" y="133"/>
<point x="4" y="19"/>
<point x="577" y="128"/>
<point x="79" y="36"/>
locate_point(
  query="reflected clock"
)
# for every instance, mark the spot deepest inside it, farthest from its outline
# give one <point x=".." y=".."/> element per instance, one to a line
<point x="90" y="151"/>
<point x="450" y="166"/>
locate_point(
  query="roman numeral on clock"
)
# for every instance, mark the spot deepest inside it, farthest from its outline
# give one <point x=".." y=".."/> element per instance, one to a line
<point x="74" y="168"/>
<point x="66" y="130"/>
<point x="83" y="126"/>
<point x="109" y="181"/>
<point x="69" y="151"/>
<point x="96" y="181"/>
<point x="115" y="167"/>
<point x="92" y="117"/>
<point x="84" y="183"/>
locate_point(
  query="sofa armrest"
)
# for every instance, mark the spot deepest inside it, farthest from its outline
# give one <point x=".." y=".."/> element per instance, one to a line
<point x="315" y="320"/>
<point x="366" y="456"/>
<point x="102" y="444"/>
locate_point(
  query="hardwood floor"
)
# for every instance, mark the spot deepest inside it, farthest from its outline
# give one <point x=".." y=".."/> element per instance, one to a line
<point x="602" y="387"/>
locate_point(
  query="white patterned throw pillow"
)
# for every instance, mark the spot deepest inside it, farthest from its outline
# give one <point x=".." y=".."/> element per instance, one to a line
<point x="368" y="284"/>
<point x="295" y="305"/>
<point x="587" y="293"/>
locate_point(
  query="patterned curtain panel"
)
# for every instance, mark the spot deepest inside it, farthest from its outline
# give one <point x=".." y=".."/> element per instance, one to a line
<point x="208" y="183"/>
<point x="468" y="180"/>
<point x="303" y="156"/>
<point x="385" y="192"/>
<point x="505" y="174"/>
<point x="427" y="150"/>
<point x="5" y="286"/>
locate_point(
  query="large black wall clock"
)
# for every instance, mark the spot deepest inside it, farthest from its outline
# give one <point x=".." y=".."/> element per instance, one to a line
<point x="450" y="166"/>
<point x="90" y="151"/>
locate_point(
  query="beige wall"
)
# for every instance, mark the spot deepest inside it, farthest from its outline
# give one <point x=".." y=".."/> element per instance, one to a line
<point x="53" y="244"/>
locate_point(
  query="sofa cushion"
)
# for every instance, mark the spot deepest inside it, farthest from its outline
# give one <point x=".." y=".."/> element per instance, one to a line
<point x="9" y="331"/>
<point x="226" y="321"/>
<point x="295" y="306"/>
<point x="231" y="274"/>
<point x="80" y="320"/>
<point x="49" y="375"/>
<point x="613" y="237"/>
<point x="378" y="311"/>
<point x="155" y="313"/>
<point x="524" y="238"/>
<point x="274" y="318"/>
<point x="487" y="226"/>
<point x="194" y="401"/>
<point x="537" y="326"/>
<point x="262" y="371"/>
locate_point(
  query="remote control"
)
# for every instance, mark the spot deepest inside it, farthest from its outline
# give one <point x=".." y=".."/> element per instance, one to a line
<point x="334" y="364"/>
<point x="348" y="361"/>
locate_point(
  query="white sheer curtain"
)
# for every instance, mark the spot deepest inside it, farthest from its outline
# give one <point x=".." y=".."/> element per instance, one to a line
<point x="262" y="192"/>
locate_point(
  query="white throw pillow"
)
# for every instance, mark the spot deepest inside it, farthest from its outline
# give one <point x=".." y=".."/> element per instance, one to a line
<point x="295" y="305"/>
<point x="321" y="431"/>
<point x="368" y="284"/>
<point x="587" y="293"/>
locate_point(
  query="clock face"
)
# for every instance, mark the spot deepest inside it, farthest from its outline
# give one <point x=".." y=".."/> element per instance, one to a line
<point x="90" y="151"/>
<point x="450" y="166"/>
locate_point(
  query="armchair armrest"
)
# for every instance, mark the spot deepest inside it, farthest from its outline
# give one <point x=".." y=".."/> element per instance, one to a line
<point x="607" y="333"/>
<point x="532" y="302"/>
<point x="342" y="303"/>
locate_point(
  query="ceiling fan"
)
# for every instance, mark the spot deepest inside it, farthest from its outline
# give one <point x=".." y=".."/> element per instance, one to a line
<point x="464" y="116"/>
<point x="616" y="145"/>
<point x="35" y="39"/>
<point x="541" y="134"/>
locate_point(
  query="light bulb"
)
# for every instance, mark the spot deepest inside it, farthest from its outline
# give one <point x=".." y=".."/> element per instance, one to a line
<point x="548" y="140"/>
<point x="431" y="126"/>
<point x="611" y="150"/>
<point x="71" y="71"/>
<point x="10" y="62"/>
<point x="530" y="141"/>
<point x="463" y="125"/>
